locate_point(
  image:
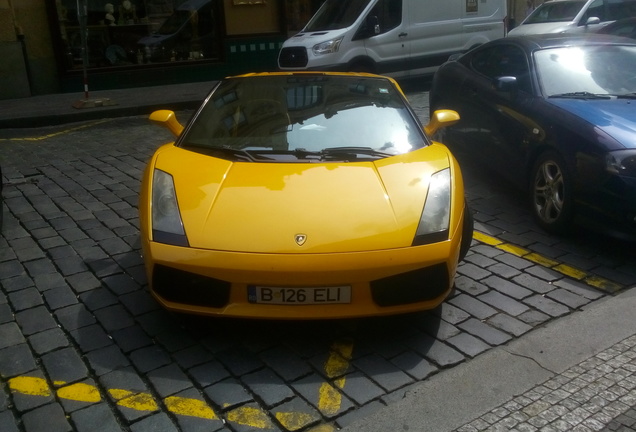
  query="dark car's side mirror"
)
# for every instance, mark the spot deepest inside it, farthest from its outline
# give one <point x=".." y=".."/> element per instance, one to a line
<point x="506" y="84"/>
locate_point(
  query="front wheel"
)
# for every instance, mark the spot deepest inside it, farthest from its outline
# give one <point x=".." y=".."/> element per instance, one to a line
<point x="551" y="194"/>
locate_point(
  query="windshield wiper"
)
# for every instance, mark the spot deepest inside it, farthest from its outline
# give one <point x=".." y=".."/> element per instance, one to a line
<point x="353" y="152"/>
<point x="223" y="152"/>
<point x="626" y="96"/>
<point x="581" y="95"/>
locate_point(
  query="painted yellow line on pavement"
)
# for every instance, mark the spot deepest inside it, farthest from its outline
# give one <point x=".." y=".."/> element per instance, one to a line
<point x="566" y="270"/>
<point x="329" y="398"/>
<point x="29" y="386"/>
<point x="295" y="421"/>
<point x="62" y="132"/>
<point x="80" y="392"/>
<point x="252" y="417"/>
<point x="189" y="407"/>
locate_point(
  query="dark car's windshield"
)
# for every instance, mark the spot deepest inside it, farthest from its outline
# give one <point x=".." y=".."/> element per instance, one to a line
<point x="555" y="11"/>
<point x="308" y="117"/>
<point x="336" y="14"/>
<point x="587" y="70"/>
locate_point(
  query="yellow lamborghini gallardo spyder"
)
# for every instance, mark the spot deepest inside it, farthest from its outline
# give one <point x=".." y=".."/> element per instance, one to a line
<point x="303" y="196"/>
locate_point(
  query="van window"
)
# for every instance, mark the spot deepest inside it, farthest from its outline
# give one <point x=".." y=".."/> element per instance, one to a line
<point x="336" y="14"/>
<point x="389" y="14"/>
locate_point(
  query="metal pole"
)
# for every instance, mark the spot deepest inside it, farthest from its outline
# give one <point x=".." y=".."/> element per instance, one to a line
<point x="81" y="16"/>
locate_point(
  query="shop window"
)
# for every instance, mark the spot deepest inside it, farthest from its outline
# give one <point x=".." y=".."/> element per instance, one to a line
<point x="133" y="32"/>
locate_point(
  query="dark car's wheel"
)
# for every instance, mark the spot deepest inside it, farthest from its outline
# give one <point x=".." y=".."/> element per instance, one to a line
<point x="551" y="194"/>
<point x="467" y="233"/>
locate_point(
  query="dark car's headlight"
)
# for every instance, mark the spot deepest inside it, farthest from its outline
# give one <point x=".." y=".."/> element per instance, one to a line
<point x="167" y="226"/>
<point x="434" y="221"/>
<point x="622" y="162"/>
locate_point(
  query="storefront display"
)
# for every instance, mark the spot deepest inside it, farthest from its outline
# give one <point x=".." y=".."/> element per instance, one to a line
<point x="140" y="31"/>
<point x="179" y="40"/>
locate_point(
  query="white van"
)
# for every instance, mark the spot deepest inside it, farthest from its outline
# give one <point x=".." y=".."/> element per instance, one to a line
<point x="392" y="37"/>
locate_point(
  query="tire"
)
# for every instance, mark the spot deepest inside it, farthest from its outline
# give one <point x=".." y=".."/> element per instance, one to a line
<point x="551" y="195"/>
<point x="467" y="233"/>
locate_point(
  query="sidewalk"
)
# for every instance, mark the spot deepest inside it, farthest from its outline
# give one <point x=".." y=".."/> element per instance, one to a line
<point x="54" y="109"/>
<point x="576" y="374"/>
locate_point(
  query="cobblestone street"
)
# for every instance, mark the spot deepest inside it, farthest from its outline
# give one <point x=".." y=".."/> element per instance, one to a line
<point x="84" y="347"/>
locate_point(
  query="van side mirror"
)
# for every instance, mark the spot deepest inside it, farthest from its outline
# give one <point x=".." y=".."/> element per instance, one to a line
<point x="373" y="24"/>
<point x="439" y="120"/>
<point x="167" y="119"/>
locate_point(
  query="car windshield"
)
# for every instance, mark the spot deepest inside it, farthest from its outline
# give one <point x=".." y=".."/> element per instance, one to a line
<point x="289" y="118"/>
<point x="587" y="70"/>
<point x="555" y="11"/>
<point x="336" y="14"/>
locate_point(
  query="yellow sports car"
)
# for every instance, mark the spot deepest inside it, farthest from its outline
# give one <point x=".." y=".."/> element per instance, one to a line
<point x="303" y="196"/>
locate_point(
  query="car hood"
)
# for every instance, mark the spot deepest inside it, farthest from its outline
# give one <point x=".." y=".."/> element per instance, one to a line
<point x="615" y="117"/>
<point x="263" y="207"/>
<point x="541" y="28"/>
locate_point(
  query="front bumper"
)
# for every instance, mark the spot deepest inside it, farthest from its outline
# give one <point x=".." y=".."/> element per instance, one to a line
<point x="382" y="282"/>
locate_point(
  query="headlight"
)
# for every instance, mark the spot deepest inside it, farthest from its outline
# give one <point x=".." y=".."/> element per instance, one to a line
<point x="622" y="162"/>
<point x="433" y="226"/>
<point x="328" y="47"/>
<point x="167" y="226"/>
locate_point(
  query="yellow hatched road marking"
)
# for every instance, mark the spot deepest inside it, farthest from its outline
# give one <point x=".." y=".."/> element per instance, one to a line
<point x="329" y="398"/>
<point x="80" y="392"/>
<point x="63" y="132"/>
<point x="250" y="416"/>
<point x="294" y="421"/>
<point x="566" y="270"/>
<point x="30" y="386"/>
<point x="189" y="407"/>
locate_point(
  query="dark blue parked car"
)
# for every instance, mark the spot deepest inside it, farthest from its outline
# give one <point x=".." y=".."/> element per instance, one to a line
<point x="557" y="116"/>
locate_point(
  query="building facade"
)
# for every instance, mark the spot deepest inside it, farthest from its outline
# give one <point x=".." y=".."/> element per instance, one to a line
<point x="55" y="45"/>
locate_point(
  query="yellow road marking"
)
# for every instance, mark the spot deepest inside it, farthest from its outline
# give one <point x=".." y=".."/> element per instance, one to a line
<point x="294" y="421"/>
<point x="566" y="270"/>
<point x="250" y="416"/>
<point x="329" y="398"/>
<point x="247" y="416"/>
<point x="63" y="132"/>
<point x="139" y="402"/>
<point x="30" y="386"/>
<point x="80" y="392"/>
<point x="189" y="407"/>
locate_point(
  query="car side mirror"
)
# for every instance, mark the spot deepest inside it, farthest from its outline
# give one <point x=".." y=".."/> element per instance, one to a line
<point x="167" y="119"/>
<point x="506" y="84"/>
<point x="439" y="120"/>
<point x="592" y="21"/>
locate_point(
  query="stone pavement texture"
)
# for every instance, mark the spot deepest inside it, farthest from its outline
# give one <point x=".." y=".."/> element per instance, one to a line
<point x="577" y="372"/>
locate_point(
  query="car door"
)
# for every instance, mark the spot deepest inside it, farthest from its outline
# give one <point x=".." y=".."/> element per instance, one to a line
<point x="499" y="122"/>
<point x="386" y="37"/>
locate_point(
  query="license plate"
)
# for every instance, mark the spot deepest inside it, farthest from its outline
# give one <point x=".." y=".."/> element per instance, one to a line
<point x="299" y="296"/>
